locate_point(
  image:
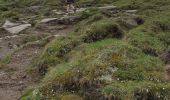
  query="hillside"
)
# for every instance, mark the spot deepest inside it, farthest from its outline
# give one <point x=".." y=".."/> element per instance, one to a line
<point x="107" y="50"/>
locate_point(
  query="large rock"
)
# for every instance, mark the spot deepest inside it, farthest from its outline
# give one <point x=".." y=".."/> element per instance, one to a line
<point x="49" y="20"/>
<point x="69" y="19"/>
<point x="15" y="28"/>
<point x="130" y="23"/>
<point x="59" y="12"/>
<point x="62" y="20"/>
<point x="81" y="9"/>
<point x="131" y="11"/>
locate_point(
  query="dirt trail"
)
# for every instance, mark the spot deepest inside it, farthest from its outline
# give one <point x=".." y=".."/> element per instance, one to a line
<point x="13" y="78"/>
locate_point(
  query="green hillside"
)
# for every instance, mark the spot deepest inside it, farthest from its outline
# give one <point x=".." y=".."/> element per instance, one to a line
<point x="106" y="57"/>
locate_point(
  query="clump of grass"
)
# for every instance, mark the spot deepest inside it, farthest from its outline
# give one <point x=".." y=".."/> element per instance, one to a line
<point x="55" y="52"/>
<point x="136" y="90"/>
<point x="88" y="13"/>
<point x="9" y="15"/>
<point x="100" y="30"/>
<point x="88" y="63"/>
<point x="33" y="38"/>
<point x="148" y="43"/>
<point x="97" y="64"/>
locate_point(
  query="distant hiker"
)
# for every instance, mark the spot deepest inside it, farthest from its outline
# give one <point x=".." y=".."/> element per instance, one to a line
<point x="70" y="6"/>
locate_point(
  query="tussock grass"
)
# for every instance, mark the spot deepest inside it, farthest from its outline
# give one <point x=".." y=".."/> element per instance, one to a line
<point x="101" y="60"/>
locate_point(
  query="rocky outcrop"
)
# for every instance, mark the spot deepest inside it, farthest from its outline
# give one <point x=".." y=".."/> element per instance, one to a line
<point x="15" y="28"/>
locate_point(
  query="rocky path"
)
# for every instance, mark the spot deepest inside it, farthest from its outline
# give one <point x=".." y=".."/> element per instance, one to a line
<point x="13" y="77"/>
<point x="14" y="80"/>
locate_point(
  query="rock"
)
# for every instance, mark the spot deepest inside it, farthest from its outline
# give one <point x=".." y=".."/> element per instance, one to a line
<point x="9" y="24"/>
<point x="131" y="11"/>
<point x="15" y="28"/>
<point x="81" y="9"/>
<point x="18" y="29"/>
<point x="69" y="19"/>
<point x="48" y="20"/>
<point x="34" y="9"/>
<point x="62" y="20"/>
<point x="107" y="7"/>
<point x="130" y="23"/>
<point x="57" y="35"/>
<point x="106" y="77"/>
<point x="58" y="12"/>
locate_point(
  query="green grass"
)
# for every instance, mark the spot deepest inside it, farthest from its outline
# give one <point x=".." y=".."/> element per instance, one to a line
<point x="87" y="63"/>
<point x="137" y="90"/>
<point x="146" y="41"/>
<point x="54" y="53"/>
<point x="102" y="58"/>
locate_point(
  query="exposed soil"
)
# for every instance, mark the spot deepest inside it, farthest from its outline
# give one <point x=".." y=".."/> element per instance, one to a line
<point x="13" y="77"/>
<point x="14" y="80"/>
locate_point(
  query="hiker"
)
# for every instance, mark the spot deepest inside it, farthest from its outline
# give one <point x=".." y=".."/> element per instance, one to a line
<point x="70" y="6"/>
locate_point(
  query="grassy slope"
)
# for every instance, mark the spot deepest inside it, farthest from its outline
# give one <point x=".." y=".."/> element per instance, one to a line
<point x="105" y="60"/>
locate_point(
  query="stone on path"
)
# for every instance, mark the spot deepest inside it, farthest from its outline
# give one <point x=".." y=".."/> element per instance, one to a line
<point x="81" y="9"/>
<point x="107" y="7"/>
<point x="130" y="23"/>
<point x="9" y="24"/>
<point x="59" y="12"/>
<point x="69" y="19"/>
<point x="131" y="11"/>
<point x="15" y="28"/>
<point x="62" y="20"/>
<point x="48" y="20"/>
<point x="101" y="8"/>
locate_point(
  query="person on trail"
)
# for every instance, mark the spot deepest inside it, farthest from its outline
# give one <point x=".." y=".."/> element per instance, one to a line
<point x="70" y="6"/>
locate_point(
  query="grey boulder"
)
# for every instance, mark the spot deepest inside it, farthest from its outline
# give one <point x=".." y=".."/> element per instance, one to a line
<point x="15" y="28"/>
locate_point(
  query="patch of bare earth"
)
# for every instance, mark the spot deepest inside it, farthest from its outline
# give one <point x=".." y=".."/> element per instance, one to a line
<point x="14" y="80"/>
<point x="13" y="77"/>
